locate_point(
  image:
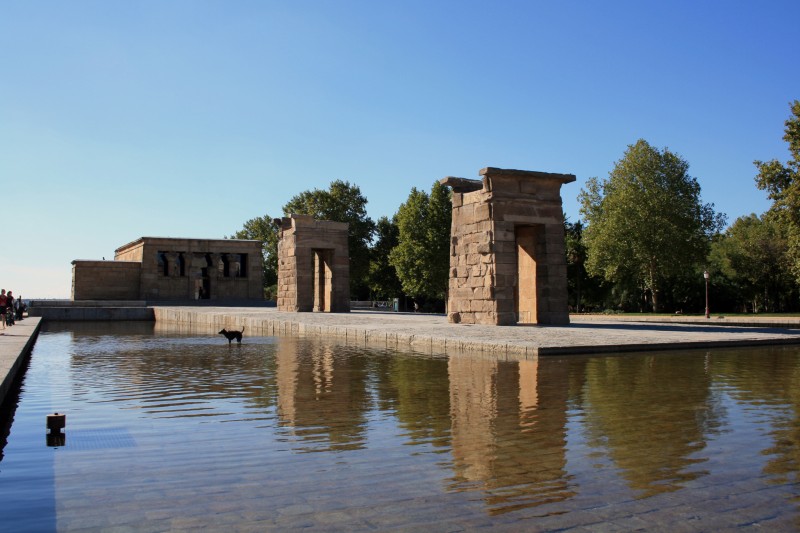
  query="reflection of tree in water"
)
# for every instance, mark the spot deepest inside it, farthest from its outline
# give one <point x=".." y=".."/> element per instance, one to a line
<point x="509" y="431"/>
<point x="322" y="396"/>
<point x="319" y="394"/>
<point x="416" y="389"/>
<point x="169" y="377"/>
<point x="769" y="379"/>
<point x="651" y="413"/>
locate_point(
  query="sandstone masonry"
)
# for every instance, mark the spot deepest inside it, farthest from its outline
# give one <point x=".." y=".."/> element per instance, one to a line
<point x="173" y="269"/>
<point x="507" y="252"/>
<point x="313" y="265"/>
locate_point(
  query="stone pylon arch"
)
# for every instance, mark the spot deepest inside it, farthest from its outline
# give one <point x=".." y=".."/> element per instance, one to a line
<point x="507" y="251"/>
<point x="313" y="265"/>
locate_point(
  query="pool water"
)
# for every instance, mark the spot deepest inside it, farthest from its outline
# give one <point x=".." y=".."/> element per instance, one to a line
<point x="172" y="431"/>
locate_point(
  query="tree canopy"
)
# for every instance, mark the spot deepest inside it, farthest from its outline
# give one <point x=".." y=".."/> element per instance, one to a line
<point x="782" y="183"/>
<point x="342" y="202"/>
<point x="646" y="222"/>
<point x="752" y="253"/>
<point x="262" y="229"/>
<point x="383" y="281"/>
<point x="422" y="256"/>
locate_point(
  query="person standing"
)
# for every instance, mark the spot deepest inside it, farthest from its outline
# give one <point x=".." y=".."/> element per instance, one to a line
<point x="3" y="300"/>
<point x="9" y="309"/>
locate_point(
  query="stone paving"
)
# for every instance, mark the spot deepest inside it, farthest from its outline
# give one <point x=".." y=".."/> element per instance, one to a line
<point x="432" y="333"/>
<point x="15" y="342"/>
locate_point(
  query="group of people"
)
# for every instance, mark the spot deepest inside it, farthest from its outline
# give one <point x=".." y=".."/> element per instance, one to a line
<point x="11" y="308"/>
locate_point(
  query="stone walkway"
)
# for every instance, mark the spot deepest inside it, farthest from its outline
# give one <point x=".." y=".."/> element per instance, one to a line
<point x="432" y="333"/>
<point x="15" y="343"/>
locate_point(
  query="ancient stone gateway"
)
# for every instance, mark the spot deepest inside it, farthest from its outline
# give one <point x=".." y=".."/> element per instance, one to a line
<point x="313" y="265"/>
<point x="507" y="251"/>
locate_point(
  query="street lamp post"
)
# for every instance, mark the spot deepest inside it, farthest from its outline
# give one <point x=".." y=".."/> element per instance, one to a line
<point x="706" y="276"/>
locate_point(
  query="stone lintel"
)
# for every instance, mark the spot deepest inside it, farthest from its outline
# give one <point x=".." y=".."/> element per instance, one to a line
<point x="527" y="174"/>
<point x="178" y="242"/>
<point x="462" y="184"/>
<point x="308" y="221"/>
<point x="101" y="262"/>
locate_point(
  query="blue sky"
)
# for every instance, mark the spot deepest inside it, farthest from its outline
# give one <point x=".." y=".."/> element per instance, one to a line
<point x="187" y="118"/>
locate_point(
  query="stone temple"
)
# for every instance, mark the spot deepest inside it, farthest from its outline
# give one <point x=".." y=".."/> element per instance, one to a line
<point x="173" y="269"/>
<point x="313" y="265"/>
<point x="507" y="251"/>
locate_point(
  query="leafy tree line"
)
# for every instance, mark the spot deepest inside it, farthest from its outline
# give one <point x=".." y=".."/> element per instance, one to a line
<point x="645" y="240"/>
<point x="403" y="256"/>
<point x="422" y="255"/>
<point x="646" y="223"/>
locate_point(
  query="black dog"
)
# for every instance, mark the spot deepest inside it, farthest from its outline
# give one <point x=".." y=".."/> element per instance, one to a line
<point x="230" y="335"/>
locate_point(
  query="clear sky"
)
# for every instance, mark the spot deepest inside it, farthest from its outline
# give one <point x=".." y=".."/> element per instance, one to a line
<point x="122" y="119"/>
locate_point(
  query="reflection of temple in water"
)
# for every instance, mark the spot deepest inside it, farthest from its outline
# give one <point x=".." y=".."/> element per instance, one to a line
<point x="509" y="431"/>
<point x="322" y="400"/>
<point x="505" y="423"/>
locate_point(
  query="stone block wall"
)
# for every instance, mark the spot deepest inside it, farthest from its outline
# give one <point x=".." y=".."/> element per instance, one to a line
<point x="313" y="265"/>
<point x="172" y="269"/>
<point x="105" y="280"/>
<point x="194" y="269"/>
<point x="507" y="252"/>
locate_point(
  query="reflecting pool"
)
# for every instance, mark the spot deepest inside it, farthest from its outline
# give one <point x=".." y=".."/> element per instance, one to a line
<point x="179" y="431"/>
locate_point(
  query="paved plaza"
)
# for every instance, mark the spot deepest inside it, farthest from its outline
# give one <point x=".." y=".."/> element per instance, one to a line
<point x="432" y="333"/>
<point x="15" y="342"/>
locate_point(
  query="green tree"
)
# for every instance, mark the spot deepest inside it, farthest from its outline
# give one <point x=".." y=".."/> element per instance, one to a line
<point x="262" y="229"/>
<point x="585" y="292"/>
<point x="782" y="183"/>
<point x="440" y="217"/>
<point x="422" y="256"/>
<point x="576" y="257"/>
<point x="342" y="202"/>
<point x="383" y="281"/>
<point x="752" y="253"/>
<point x="646" y="223"/>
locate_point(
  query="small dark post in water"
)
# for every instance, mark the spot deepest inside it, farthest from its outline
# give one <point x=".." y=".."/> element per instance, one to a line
<point x="55" y="423"/>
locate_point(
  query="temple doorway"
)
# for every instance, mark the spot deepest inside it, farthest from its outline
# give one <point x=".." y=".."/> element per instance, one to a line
<point x="525" y="298"/>
<point x="323" y="280"/>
